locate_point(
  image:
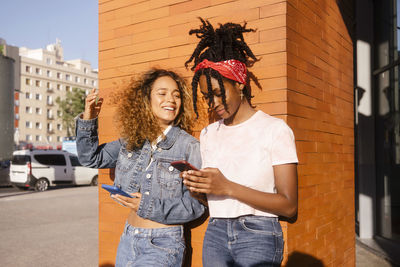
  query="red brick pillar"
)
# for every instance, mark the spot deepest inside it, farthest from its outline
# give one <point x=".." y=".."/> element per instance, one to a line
<point x="306" y="76"/>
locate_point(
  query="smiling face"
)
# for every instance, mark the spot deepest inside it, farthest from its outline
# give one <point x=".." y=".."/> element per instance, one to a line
<point x="232" y="96"/>
<point x="165" y="100"/>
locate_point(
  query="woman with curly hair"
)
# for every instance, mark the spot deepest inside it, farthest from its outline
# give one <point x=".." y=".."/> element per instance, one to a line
<point x="249" y="161"/>
<point x="154" y="113"/>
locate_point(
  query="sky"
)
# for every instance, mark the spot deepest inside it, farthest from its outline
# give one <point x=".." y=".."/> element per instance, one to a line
<point x="37" y="23"/>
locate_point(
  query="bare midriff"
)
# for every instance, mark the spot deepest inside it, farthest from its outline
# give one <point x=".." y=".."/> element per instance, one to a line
<point x="136" y="221"/>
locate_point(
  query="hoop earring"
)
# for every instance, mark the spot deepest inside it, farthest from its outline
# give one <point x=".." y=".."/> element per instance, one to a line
<point x="241" y="95"/>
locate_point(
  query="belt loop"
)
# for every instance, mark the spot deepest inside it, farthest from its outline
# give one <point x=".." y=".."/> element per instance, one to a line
<point x="126" y="227"/>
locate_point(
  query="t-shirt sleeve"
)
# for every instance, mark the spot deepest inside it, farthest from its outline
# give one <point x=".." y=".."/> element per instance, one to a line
<point x="283" y="146"/>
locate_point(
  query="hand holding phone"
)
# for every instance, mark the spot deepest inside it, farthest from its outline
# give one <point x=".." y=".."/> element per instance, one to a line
<point x="115" y="190"/>
<point x="183" y="165"/>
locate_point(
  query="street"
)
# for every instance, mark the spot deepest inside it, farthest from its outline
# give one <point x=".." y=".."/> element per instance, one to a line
<point x="58" y="227"/>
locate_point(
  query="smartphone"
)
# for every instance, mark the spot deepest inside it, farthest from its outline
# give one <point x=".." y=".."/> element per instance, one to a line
<point x="115" y="190"/>
<point x="183" y="165"/>
<point x="97" y="97"/>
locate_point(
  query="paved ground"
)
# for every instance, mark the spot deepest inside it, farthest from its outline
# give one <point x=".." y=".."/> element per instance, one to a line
<point x="53" y="228"/>
<point x="365" y="258"/>
<point x="60" y="228"/>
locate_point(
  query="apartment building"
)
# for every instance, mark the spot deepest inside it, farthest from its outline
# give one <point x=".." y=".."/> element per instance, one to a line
<point x="45" y="75"/>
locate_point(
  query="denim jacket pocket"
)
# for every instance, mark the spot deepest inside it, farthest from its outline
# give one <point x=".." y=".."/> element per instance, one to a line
<point x="168" y="179"/>
<point x="126" y="160"/>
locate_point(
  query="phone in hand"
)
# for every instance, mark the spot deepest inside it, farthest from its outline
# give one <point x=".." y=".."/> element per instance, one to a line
<point x="183" y="165"/>
<point x="115" y="190"/>
<point x="97" y="97"/>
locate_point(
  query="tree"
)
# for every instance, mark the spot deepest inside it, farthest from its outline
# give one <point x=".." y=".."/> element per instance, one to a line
<point x="70" y="107"/>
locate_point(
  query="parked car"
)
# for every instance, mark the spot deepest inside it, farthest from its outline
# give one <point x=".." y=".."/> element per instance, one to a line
<point x="4" y="172"/>
<point x="40" y="169"/>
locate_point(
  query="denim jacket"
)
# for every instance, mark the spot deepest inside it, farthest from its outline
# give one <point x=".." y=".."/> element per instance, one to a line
<point x="165" y="199"/>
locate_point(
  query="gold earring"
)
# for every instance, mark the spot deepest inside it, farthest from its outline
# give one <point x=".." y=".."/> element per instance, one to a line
<point x="241" y="95"/>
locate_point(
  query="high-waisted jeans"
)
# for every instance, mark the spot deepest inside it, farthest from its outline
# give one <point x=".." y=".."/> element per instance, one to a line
<point x="151" y="247"/>
<point x="244" y="241"/>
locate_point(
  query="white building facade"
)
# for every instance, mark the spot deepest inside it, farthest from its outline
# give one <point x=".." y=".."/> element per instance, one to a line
<point x="44" y="77"/>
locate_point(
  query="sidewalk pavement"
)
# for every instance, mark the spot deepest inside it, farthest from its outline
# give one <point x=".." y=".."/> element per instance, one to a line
<point x="365" y="257"/>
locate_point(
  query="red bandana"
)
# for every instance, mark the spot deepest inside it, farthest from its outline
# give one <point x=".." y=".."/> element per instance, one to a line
<point x="232" y="69"/>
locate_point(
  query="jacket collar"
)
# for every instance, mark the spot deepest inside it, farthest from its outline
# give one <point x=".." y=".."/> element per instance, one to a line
<point x="170" y="138"/>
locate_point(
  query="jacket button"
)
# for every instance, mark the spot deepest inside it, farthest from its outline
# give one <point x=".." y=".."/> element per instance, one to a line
<point x="159" y="149"/>
<point x="129" y="155"/>
<point x="171" y="168"/>
<point x="148" y="175"/>
<point x="147" y="193"/>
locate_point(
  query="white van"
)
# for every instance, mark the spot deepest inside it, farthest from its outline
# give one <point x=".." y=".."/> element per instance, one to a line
<point x="43" y="168"/>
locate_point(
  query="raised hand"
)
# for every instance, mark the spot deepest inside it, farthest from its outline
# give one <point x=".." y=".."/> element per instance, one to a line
<point x="92" y="107"/>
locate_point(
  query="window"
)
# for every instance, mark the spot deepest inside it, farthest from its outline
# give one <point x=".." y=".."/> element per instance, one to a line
<point x="28" y="69"/>
<point x="38" y="97"/>
<point x="49" y="61"/>
<point x="16" y="102"/>
<point x="21" y="159"/>
<point x="59" y="87"/>
<point x="38" y="71"/>
<point x="38" y="126"/>
<point x="49" y="114"/>
<point x="59" y="113"/>
<point x="77" y="79"/>
<point x="49" y="138"/>
<point x="74" y="161"/>
<point x="28" y="81"/>
<point x="28" y="124"/>
<point x="85" y="81"/>
<point x="38" y="138"/>
<point x="48" y="73"/>
<point x="59" y="75"/>
<point x="85" y="70"/>
<point x="59" y="127"/>
<point x="48" y="85"/>
<point x="51" y="159"/>
<point x="28" y="109"/>
<point x="38" y="83"/>
<point x="28" y="95"/>
<point x="67" y="88"/>
<point x="59" y="139"/>
<point x="93" y="83"/>
<point x="38" y="111"/>
<point x="28" y="137"/>
<point x="49" y="126"/>
<point x="49" y="100"/>
<point x="67" y="77"/>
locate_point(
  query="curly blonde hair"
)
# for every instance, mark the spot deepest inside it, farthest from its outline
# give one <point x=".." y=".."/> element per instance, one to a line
<point x="135" y="118"/>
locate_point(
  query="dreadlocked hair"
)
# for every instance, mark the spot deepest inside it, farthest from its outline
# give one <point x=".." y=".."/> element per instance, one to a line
<point x="135" y="117"/>
<point x="224" y="43"/>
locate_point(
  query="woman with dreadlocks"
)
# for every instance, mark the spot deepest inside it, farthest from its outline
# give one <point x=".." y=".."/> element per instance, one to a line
<point x="249" y="168"/>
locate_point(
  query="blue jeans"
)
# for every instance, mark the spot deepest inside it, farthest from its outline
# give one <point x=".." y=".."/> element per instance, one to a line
<point x="244" y="241"/>
<point x="151" y="247"/>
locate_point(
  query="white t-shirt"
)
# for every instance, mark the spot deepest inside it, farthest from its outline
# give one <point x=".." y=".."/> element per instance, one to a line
<point x="245" y="154"/>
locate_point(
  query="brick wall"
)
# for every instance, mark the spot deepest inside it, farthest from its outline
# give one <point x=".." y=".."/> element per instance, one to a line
<point x="320" y="110"/>
<point x="305" y="73"/>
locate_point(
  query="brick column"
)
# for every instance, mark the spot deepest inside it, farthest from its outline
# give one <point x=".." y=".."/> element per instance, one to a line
<point x="305" y="73"/>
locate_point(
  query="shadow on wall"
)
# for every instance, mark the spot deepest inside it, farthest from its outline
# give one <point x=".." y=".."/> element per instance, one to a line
<point x="299" y="259"/>
<point x="188" y="237"/>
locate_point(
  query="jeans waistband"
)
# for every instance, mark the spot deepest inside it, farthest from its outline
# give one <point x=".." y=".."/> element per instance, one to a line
<point x="153" y="232"/>
<point x="240" y="218"/>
